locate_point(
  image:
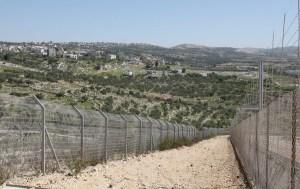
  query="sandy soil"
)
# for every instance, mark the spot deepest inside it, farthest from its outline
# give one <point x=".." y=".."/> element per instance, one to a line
<point x="210" y="164"/>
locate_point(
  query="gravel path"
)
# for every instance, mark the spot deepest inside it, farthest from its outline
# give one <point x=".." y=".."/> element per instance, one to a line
<point x="209" y="164"/>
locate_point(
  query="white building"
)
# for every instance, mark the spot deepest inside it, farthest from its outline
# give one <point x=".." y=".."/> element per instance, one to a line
<point x="74" y="56"/>
<point x="112" y="56"/>
<point x="71" y="55"/>
<point x="44" y="52"/>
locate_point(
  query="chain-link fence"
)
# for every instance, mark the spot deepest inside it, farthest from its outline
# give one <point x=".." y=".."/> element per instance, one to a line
<point x="267" y="143"/>
<point x="39" y="136"/>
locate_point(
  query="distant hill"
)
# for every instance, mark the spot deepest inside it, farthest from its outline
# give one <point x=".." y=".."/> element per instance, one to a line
<point x="199" y="54"/>
<point x="192" y="54"/>
<point x="189" y="46"/>
<point x="250" y="50"/>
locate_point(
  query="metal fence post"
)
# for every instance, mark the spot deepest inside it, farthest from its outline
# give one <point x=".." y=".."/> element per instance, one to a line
<point x="294" y="130"/>
<point x="43" y="145"/>
<point x="181" y="130"/>
<point x="178" y="131"/>
<point x="151" y="134"/>
<point x="167" y="130"/>
<point x="160" y="131"/>
<point x="126" y="135"/>
<point x="267" y="146"/>
<point x="261" y="84"/>
<point x="192" y="132"/>
<point x="106" y="133"/>
<point x="257" y="176"/>
<point x="186" y="131"/>
<point x="45" y="135"/>
<point x="174" y="132"/>
<point x="140" y="138"/>
<point x="81" y="133"/>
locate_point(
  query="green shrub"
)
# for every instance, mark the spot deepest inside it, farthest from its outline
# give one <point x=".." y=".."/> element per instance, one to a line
<point x="40" y="96"/>
<point x="78" y="165"/>
<point x="155" y="113"/>
<point x="19" y="94"/>
<point x="134" y="111"/>
<point x="169" y="143"/>
<point x="84" y="90"/>
<point x="166" y="144"/>
<point x="5" y="174"/>
<point x="60" y="94"/>
<point x="84" y="98"/>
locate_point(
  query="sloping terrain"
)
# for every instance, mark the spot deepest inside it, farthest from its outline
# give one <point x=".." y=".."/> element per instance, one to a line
<point x="208" y="164"/>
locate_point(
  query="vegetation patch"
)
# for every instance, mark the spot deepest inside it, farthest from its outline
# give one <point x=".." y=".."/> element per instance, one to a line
<point x="5" y="174"/>
<point x="170" y="144"/>
<point x="78" y="165"/>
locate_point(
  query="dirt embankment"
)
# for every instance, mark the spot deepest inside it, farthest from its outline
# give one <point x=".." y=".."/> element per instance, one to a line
<point x="209" y="164"/>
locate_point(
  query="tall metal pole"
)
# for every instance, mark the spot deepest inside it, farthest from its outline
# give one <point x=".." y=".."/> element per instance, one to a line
<point x="283" y="34"/>
<point x="273" y="39"/>
<point x="294" y="140"/>
<point x="298" y="29"/>
<point x="267" y="146"/>
<point x="261" y="85"/>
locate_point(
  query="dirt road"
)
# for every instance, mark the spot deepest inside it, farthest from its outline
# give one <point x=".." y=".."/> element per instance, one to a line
<point x="209" y="164"/>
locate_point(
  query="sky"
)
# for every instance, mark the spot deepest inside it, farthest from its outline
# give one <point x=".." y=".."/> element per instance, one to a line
<point x="230" y="23"/>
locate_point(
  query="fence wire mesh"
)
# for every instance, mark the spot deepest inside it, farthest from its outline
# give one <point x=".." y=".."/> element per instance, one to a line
<point x="73" y="134"/>
<point x="263" y="141"/>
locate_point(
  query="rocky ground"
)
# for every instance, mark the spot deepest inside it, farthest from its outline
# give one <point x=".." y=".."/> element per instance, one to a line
<point x="209" y="164"/>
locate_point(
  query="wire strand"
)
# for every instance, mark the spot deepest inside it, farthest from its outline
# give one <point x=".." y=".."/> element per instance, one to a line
<point x="291" y="38"/>
<point x="291" y="24"/>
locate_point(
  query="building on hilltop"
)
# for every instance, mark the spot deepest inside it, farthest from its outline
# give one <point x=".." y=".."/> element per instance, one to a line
<point x="111" y="57"/>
